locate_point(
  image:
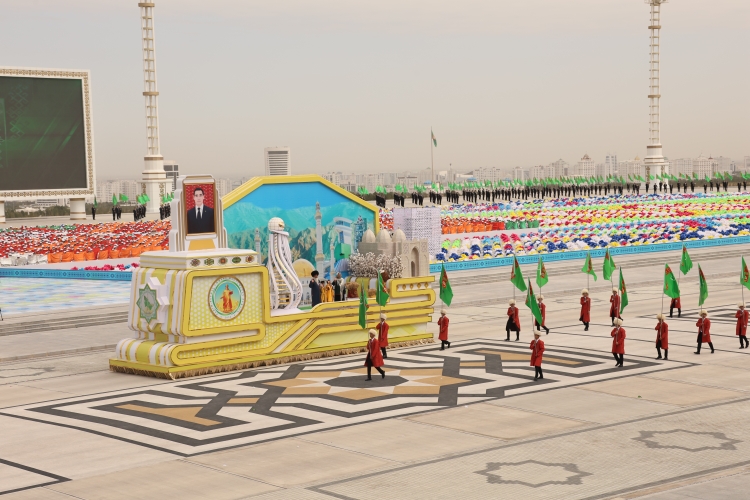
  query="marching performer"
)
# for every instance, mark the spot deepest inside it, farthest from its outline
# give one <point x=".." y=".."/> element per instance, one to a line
<point x="675" y="304"/>
<point x="662" y="336"/>
<point x="618" y="342"/>
<point x="585" y="309"/>
<point x="537" y="349"/>
<point x="704" y="331"/>
<point x="543" y="309"/>
<point x="614" y="308"/>
<point x="741" y="330"/>
<point x="383" y="335"/>
<point x="514" y="323"/>
<point x="374" y="357"/>
<point x="443" y="324"/>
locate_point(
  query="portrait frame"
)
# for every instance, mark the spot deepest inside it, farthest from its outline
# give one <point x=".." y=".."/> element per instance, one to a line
<point x="188" y="188"/>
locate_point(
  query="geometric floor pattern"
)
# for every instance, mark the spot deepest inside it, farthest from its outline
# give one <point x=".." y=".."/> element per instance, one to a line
<point x="32" y="295"/>
<point x="217" y="412"/>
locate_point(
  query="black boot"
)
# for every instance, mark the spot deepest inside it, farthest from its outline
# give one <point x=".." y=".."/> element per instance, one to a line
<point x="587" y="327"/>
<point x="518" y="334"/>
<point x="666" y="354"/>
<point x="658" y="351"/>
<point x="547" y="330"/>
<point x="679" y="313"/>
<point x="711" y="345"/>
<point x="507" y="335"/>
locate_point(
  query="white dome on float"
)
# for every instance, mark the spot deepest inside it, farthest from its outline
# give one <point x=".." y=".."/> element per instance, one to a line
<point x="303" y="268"/>
<point x="383" y="236"/>
<point x="368" y="237"/>
<point x="276" y="224"/>
<point x="399" y="236"/>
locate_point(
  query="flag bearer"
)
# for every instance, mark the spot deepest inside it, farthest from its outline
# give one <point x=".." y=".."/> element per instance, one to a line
<point x="662" y="336"/>
<point x="537" y="349"/>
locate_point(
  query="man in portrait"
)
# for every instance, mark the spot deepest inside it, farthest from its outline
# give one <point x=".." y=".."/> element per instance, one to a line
<point x="200" y="218"/>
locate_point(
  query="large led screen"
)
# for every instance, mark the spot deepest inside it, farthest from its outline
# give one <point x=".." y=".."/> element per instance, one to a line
<point x="42" y="134"/>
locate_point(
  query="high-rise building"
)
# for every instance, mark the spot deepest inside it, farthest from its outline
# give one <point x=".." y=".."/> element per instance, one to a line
<point x="278" y="161"/>
<point x="560" y="167"/>
<point x="537" y="172"/>
<point x="172" y="170"/>
<point x="682" y="166"/>
<point x="586" y="167"/>
<point x="746" y="163"/>
<point x="631" y="169"/>
<point x="704" y="167"/>
<point x="610" y="162"/>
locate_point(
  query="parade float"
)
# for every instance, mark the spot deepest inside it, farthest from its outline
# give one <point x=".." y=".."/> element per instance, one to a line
<point x="202" y="307"/>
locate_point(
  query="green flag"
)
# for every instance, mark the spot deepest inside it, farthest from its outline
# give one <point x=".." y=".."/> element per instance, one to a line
<point x="114" y="199"/>
<point x="95" y="204"/>
<point x="609" y="266"/>
<point x="123" y="198"/>
<point x="446" y="293"/>
<point x="623" y="293"/>
<point x="381" y="295"/>
<point x="362" y="307"/>
<point x="532" y="304"/>
<point x="516" y="277"/>
<point x="434" y="141"/>
<point x="671" y="289"/>
<point x="588" y="266"/>
<point x="745" y="275"/>
<point x="685" y="264"/>
<point x="541" y="274"/>
<point x="703" y="294"/>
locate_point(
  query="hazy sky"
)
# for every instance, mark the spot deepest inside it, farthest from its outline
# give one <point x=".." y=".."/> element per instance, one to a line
<point x="356" y="85"/>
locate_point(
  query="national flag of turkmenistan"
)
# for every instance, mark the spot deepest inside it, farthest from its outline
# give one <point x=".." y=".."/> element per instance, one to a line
<point x="588" y="266"/>
<point x="541" y="274"/>
<point x="95" y="200"/>
<point x="623" y="293"/>
<point x="685" y="264"/>
<point x="671" y="289"/>
<point x="434" y="141"/>
<point x="381" y="295"/>
<point x="609" y="266"/>
<point x="446" y="293"/>
<point x="745" y="275"/>
<point x="532" y="304"/>
<point x="362" y="307"/>
<point x="703" y="294"/>
<point x="114" y="199"/>
<point x="516" y="277"/>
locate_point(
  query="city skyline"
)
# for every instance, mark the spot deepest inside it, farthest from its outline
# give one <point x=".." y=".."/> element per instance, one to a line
<point x="362" y="93"/>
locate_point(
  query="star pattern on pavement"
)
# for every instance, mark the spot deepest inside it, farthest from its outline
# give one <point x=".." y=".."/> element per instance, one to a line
<point x="532" y="473"/>
<point x="693" y="441"/>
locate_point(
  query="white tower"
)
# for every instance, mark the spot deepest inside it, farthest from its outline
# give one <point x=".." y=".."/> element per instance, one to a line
<point x="278" y="161"/>
<point x="654" y="160"/>
<point x="320" y="258"/>
<point x="154" y="182"/>
<point x="286" y="288"/>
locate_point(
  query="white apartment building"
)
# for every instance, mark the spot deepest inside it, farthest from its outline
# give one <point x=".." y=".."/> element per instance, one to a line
<point x="746" y="163"/>
<point x="682" y="166"/>
<point x="633" y="168"/>
<point x="586" y="167"/>
<point x="603" y="170"/>
<point x="492" y="174"/>
<point x="278" y="161"/>
<point x="223" y="186"/>
<point x="610" y="162"/>
<point x="725" y="164"/>
<point x="705" y="166"/>
<point x="106" y="189"/>
<point x="560" y="168"/>
<point x="537" y="172"/>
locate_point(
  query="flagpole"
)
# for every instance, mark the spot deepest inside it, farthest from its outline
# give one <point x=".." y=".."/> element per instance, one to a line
<point x="432" y="161"/>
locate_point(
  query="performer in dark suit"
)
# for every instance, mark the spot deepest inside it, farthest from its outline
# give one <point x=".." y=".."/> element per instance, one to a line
<point x="200" y="219"/>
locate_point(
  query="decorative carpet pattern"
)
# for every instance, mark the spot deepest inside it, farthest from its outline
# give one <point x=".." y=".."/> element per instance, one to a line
<point x="217" y="412"/>
<point x="24" y="296"/>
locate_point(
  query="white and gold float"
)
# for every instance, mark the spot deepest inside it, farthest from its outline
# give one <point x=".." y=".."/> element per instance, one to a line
<point x="203" y="308"/>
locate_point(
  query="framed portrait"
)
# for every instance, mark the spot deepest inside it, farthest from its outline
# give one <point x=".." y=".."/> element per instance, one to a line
<point x="200" y="208"/>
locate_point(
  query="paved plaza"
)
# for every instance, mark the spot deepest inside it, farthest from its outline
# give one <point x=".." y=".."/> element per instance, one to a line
<point x="466" y="422"/>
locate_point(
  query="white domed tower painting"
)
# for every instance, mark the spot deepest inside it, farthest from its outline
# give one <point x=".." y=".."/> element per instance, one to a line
<point x="285" y="286"/>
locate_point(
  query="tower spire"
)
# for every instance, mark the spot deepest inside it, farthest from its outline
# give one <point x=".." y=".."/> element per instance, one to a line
<point x="654" y="156"/>
<point x="154" y="182"/>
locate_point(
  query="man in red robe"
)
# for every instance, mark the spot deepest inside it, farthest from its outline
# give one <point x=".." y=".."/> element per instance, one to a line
<point x="614" y="308"/>
<point x="741" y="329"/>
<point x="675" y="304"/>
<point x="374" y="357"/>
<point x="543" y="310"/>
<point x="704" y="331"/>
<point x="662" y="336"/>
<point x="443" y="325"/>
<point x="618" y="342"/>
<point x="383" y="335"/>
<point x="585" y="309"/>
<point x="513" y="323"/>
<point x="537" y="349"/>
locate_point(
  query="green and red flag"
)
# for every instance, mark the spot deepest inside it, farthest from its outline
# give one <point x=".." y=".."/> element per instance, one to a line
<point x="381" y="295"/>
<point x="363" y="307"/>
<point x="588" y="266"/>
<point x="671" y="289"/>
<point x="516" y="277"/>
<point x="609" y="266"/>
<point x="541" y="274"/>
<point x="532" y="304"/>
<point x="623" y="293"/>
<point x="685" y="264"/>
<point x="446" y="293"/>
<point x="703" y="294"/>
<point x="745" y="275"/>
